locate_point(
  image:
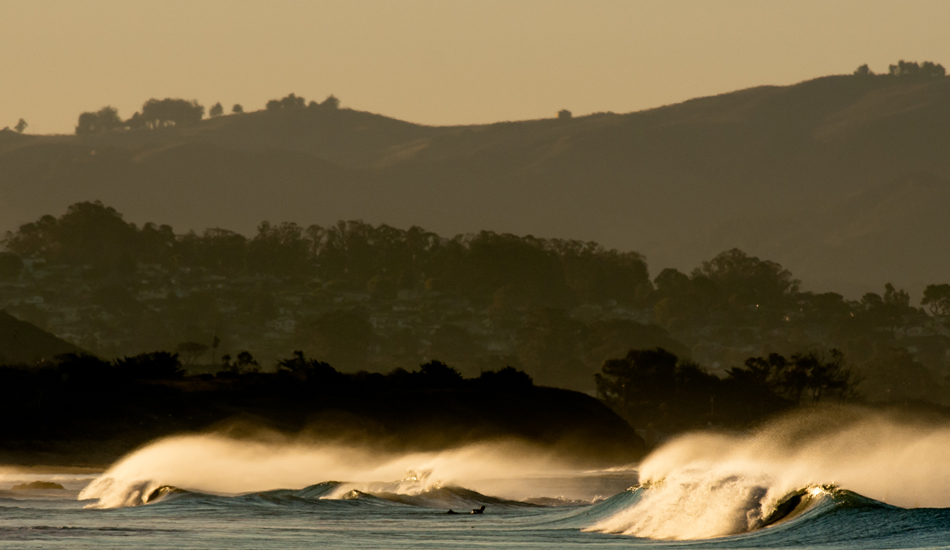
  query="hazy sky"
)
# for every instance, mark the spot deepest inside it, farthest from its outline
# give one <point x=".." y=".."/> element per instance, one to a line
<point x="437" y="61"/>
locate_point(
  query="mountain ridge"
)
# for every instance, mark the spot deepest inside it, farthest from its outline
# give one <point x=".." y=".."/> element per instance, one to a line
<point x="678" y="183"/>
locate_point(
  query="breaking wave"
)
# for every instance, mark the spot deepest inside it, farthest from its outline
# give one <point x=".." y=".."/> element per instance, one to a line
<point x="708" y="485"/>
<point x="215" y="465"/>
<point x="827" y="476"/>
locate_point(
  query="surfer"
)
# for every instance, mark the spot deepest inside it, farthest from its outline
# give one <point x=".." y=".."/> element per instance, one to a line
<point x="481" y="510"/>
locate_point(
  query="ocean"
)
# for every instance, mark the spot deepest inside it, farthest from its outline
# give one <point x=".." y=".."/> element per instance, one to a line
<point x="859" y="480"/>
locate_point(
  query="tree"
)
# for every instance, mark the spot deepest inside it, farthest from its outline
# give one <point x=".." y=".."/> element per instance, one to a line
<point x="216" y="110"/>
<point x="928" y="68"/>
<point x="289" y="103"/>
<point x="639" y="382"/>
<point x="671" y="282"/>
<point x="20" y="126"/>
<point x="103" y="120"/>
<point x="937" y="297"/>
<point x="159" y="365"/>
<point x="314" y="373"/>
<point x="863" y="70"/>
<point x="506" y="379"/>
<point x="436" y="374"/>
<point x="191" y="351"/>
<point x="88" y="234"/>
<point x="246" y="360"/>
<point x="136" y="122"/>
<point x="159" y="113"/>
<point x="747" y="280"/>
<point x="564" y="114"/>
<point x="237" y="109"/>
<point x="331" y="102"/>
<point x="802" y="374"/>
<point x="888" y="310"/>
<point x="913" y="69"/>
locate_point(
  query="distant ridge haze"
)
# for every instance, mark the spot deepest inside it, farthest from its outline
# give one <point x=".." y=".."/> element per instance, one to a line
<point x="844" y="180"/>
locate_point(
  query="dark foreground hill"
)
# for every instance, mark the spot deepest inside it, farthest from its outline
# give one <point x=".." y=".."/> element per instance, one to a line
<point x="22" y="342"/>
<point x="86" y="412"/>
<point x="841" y="179"/>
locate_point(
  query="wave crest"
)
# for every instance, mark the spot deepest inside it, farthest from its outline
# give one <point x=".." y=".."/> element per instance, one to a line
<point x="705" y="485"/>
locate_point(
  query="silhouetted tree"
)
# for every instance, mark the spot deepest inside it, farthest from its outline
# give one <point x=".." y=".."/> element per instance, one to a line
<point x="599" y="275"/>
<point x="748" y="281"/>
<point x="20" y="126"/>
<point x="171" y="112"/>
<point x="638" y="383"/>
<point x="103" y="120"/>
<point x="151" y="366"/>
<point x="564" y="114"/>
<point x="216" y="110"/>
<point x="136" y="122"/>
<point x="237" y="109"/>
<point x="886" y="311"/>
<point x="912" y="69"/>
<point x="436" y="374"/>
<point x="331" y="102"/>
<point x="316" y="374"/>
<point x="245" y="359"/>
<point x="802" y="373"/>
<point x="937" y="297"/>
<point x="289" y="103"/>
<point x="506" y="379"/>
<point x="279" y="249"/>
<point x="88" y="234"/>
<point x="863" y="70"/>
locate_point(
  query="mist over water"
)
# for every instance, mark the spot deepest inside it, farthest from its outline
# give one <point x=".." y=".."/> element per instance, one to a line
<point x="222" y="465"/>
<point x="705" y="485"/>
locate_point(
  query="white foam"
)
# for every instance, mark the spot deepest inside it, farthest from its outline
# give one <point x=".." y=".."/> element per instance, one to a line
<point x="220" y="465"/>
<point x="707" y="485"/>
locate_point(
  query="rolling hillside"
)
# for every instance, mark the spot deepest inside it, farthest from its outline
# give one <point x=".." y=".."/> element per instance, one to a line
<point x="842" y="179"/>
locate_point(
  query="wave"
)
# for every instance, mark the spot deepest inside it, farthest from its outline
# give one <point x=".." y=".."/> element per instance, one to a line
<point x="702" y="509"/>
<point x="811" y="516"/>
<point x="822" y="475"/>
<point x="436" y="497"/>
<point x="708" y="485"/>
<point x="216" y="465"/>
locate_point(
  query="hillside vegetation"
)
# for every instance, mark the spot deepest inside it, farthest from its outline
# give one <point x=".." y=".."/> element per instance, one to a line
<point x="842" y="179"/>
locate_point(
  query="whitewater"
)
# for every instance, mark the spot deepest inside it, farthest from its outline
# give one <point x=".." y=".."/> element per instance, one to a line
<point x="824" y="478"/>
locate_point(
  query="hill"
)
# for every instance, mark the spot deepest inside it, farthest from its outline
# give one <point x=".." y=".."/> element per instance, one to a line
<point x="86" y="412"/>
<point x="22" y="342"/>
<point x="840" y="179"/>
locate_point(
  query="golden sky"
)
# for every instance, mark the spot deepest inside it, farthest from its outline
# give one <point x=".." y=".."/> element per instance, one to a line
<point x="438" y="61"/>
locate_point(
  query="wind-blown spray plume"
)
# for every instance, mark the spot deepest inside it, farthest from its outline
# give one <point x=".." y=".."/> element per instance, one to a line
<point x="705" y="485"/>
<point x="217" y="464"/>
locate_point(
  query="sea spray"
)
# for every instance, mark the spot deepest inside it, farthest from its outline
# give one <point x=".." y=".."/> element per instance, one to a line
<point x="221" y="465"/>
<point x="705" y="485"/>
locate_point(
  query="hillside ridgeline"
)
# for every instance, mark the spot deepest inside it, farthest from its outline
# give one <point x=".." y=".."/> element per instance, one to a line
<point x="843" y="179"/>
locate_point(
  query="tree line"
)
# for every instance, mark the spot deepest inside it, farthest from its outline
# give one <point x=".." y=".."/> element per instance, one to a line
<point x="527" y="285"/>
<point x="503" y="270"/>
<point x="163" y="113"/>
<point x="650" y="388"/>
<point x="354" y="255"/>
<point x="907" y="69"/>
<point x="653" y="388"/>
